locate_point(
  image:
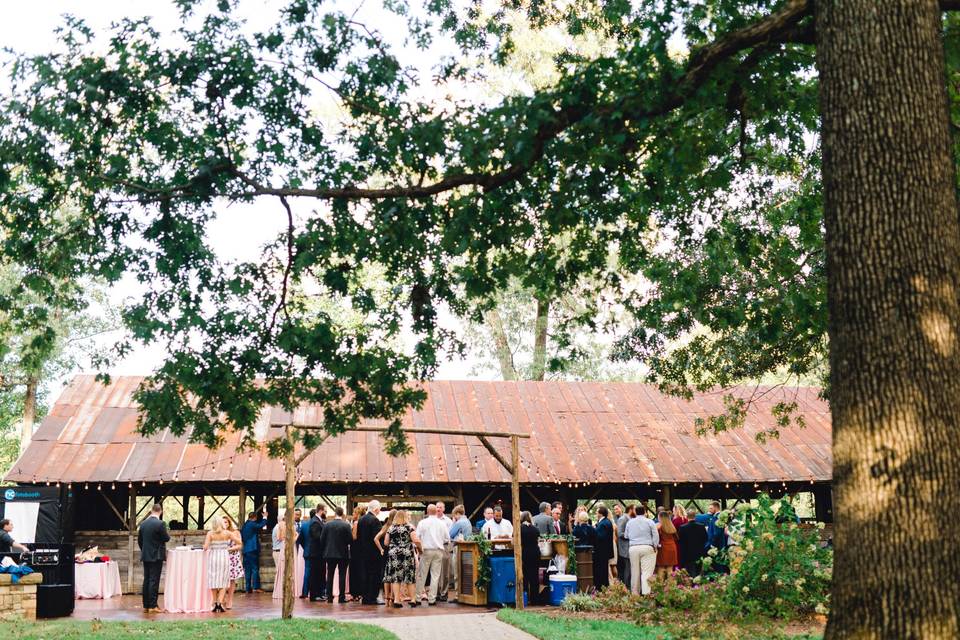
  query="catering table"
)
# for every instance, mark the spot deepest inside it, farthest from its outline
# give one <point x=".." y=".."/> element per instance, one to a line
<point x="96" y="580"/>
<point x="185" y="588"/>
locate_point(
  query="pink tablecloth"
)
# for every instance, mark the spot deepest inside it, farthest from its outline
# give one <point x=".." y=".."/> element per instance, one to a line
<point x="297" y="575"/>
<point x="97" y="580"/>
<point x="185" y="589"/>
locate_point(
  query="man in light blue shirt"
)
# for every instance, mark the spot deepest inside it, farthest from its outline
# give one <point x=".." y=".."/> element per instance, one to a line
<point x="459" y="530"/>
<point x="644" y="540"/>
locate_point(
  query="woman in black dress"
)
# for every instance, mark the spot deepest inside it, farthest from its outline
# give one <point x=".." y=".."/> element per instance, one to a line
<point x="530" y="557"/>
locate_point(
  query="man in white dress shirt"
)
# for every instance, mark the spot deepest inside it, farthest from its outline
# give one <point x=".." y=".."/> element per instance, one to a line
<point x="498" y="528"/>
<point x="434" y="536"/>
<point x="445" y="572"/>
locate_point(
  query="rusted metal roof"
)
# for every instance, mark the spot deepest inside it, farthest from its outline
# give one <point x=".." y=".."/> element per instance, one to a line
<point x="597" y="432"/>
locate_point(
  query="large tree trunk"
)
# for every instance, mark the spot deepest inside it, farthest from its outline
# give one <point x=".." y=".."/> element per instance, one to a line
<point x="501" y="344"/>
<point x="893" y="265"/>
<point x="29" y="412"/>
<point x="289" y="546"/>
<point x="539" y="368"/>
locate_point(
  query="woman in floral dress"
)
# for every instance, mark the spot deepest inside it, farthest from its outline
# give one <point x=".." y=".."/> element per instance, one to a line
<point x="236" y="563"/>
<point x="401" y="569"/>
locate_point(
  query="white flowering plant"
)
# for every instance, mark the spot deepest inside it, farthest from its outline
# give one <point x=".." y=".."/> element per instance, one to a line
<point x="781" y="569"/>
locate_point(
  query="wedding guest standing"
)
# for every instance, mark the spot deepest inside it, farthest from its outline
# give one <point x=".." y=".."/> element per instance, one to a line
<point x="623" y="543"/>
<point x="604" y="550"/>
<point x="460" y="530"/>
<point x="679" y="517"/>
<point x="583" y="531"/>
<point x="318" y="572"/>
<point x="303" y="540"/>
<point x="367" y="529"/>
<point x="543" y="521"/>
<point x="335" y="543"/>
<point x="644" y="540"/>
<point x="487" y="517"/>
<point x="152" y="538"/>
<point x="354" y="572"/>
<point x="530" y="557"/>
<point x="236" y="563"/>
<point x="692" y="543"/>
<point x="381" y="541"/>
<point x="250" y="534"/>
<point x="277" y="536"/>
<point x="667" y="556"/>
<point x="434" y="536"/>
<point x="557" y="526"/>
<point x="217" y="545"/>
<point x="400" y="571"/>
<point x="445" y="565"/>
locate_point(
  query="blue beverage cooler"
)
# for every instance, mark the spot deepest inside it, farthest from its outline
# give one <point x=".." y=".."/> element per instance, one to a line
<point x="503" y="578"/>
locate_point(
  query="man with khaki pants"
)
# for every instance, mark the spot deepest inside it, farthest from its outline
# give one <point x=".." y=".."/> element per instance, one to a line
<point x="434" y="537"/>
<point x="445" y="568"/>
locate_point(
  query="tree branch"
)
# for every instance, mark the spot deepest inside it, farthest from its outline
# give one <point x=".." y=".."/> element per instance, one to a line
<point x="781" y="26"/>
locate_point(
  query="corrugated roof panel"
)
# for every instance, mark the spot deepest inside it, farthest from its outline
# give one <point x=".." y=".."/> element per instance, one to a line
<point x="587" y="431"/>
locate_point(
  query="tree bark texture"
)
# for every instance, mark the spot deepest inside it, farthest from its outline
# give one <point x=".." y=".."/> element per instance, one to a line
<point x="893" y="266"/>
<point x="501" y="345"/>
<point x="539" y="368"/>
<point x="29" y="412"/>
<point x="289" y="545"/>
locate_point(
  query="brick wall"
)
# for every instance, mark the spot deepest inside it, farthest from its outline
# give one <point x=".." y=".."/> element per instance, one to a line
<point x="19" y="601"/>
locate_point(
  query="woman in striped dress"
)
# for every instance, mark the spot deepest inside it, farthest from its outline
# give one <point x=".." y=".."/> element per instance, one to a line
<point x="217" y="545"/>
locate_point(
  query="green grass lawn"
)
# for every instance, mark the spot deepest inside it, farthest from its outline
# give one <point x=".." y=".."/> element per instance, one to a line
<point x="193" y="629"/>
<point x="550" y="628"/>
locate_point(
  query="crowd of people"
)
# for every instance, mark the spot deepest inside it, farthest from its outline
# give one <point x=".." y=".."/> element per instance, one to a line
<point x="390" y="561"/>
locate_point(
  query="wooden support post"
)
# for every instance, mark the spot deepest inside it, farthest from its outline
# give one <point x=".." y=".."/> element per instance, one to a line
<point x="201" y="520"/>
<point x="131" y="529"/>
<point x="515" y="497"/>
<point x="667" y="497"/>
<point x="186" y="511"/>
<point x="242" y="510"/>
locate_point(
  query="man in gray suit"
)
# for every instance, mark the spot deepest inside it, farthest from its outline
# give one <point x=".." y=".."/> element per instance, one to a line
<point x="152" y="537"/>
<point x="623" y="543"/>
<point x="543" y="521"/>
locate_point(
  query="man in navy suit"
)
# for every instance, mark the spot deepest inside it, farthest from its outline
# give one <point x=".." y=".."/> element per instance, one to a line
<point x="304" y="541"/>
<point x="250" y="535"/>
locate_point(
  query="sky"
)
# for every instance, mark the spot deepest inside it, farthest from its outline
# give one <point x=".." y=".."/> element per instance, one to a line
<point x="239" y="231"/>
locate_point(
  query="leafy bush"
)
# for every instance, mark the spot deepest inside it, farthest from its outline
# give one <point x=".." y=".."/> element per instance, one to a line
<point x="779" y="569"/>
<point x="617" y="598"/>
<point x="580" y="602"/>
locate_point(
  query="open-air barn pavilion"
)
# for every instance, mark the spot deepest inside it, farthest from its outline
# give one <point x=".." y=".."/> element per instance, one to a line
<point x="588" y="441"/>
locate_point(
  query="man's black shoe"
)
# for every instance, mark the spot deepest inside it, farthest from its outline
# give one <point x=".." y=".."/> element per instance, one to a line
<point x="329" y="600"/>
<point x="342" y="600"/>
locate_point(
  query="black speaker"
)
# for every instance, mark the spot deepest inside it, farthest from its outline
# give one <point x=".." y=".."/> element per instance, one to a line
<point x="54" y="600"/>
